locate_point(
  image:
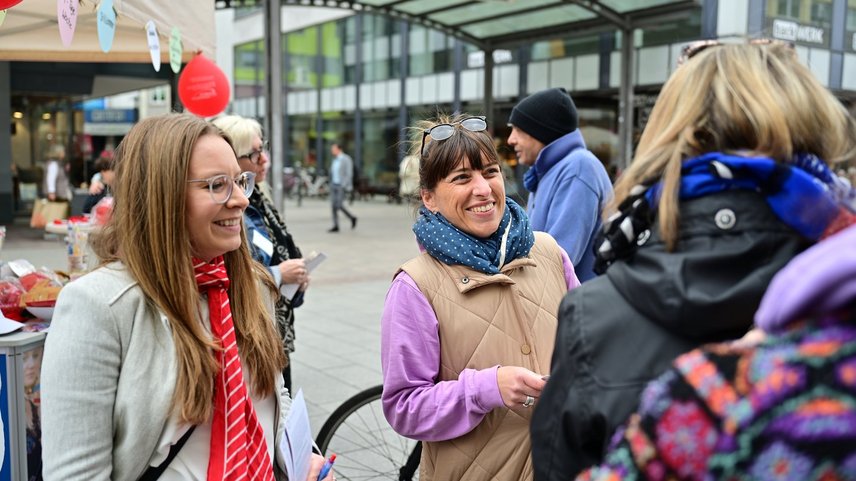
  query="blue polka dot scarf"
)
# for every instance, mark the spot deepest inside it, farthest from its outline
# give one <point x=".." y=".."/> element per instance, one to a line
<point x="448" y="244"/>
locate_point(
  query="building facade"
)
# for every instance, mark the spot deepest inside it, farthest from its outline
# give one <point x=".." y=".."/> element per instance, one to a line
<point x="362" y="79"/>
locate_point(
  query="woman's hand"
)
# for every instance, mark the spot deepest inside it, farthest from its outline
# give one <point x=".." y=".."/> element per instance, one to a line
<point x="293" y="271"/>
<point x="315" y="465"/>
<point x="96" y="188"/>
<point x="305" y="285"/>
<point x="516" y="383"/>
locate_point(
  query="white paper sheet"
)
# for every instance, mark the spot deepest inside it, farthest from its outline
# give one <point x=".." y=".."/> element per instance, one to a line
<point x="312" y="261"/>
<point x="296" y="446"/>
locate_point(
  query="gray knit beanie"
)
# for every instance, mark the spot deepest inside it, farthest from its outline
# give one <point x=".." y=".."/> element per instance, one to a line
<point x="546" y="115"/>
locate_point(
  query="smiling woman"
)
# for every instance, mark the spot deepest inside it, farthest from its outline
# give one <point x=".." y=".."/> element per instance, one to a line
<point x="483" y="295"/>
<point x="178" y="324"/>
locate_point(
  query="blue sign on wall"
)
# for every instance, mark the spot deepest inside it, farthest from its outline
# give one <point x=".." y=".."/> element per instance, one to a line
<point x="110" y="116"/>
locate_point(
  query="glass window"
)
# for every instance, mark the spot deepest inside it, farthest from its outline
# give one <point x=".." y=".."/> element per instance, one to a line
<point x="380" y="162"/>
<point x="249" y="69"/>
<point x="333" y="52"/>
<point x="565" y="47"/>
<point x="431" y="51"/>
<point x="301" y="142"/>
<point x="816" y="12"/>
<point x="380" y="48"/>
<point x="302" y="48"/>
<point x="851" y="15"/>
<point x="678" y="30"/>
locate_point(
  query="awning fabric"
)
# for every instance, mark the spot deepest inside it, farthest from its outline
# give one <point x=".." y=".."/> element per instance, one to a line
<point x="30" y="31"/>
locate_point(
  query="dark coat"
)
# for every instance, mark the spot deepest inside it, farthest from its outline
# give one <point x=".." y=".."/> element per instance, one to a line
<point x="624" y="328"/>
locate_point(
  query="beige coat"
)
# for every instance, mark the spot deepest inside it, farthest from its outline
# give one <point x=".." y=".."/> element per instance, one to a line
<point x="485" y="320"/>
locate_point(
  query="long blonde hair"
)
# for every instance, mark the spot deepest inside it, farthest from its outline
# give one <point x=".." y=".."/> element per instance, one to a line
<point x="754" y="100"/>
<point x="149" y="235"/>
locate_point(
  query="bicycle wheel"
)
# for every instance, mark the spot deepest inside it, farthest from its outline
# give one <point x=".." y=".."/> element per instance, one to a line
<point x="365" y="445"/>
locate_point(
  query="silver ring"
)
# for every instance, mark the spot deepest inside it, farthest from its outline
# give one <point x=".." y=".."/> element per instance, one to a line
<point x="529" y="401"/>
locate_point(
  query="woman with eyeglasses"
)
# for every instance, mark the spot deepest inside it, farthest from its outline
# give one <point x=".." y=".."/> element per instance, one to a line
<point x="730" y="181"/>
<point x="269" y="239"/>
<point x="164" y="362"/>
<point x="468" y="325"/>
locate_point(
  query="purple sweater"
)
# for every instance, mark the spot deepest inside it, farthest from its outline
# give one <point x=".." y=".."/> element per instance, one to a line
<point x="415" y="404"/>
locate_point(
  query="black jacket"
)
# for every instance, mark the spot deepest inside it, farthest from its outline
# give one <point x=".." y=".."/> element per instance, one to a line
<point x="624" y="328"/>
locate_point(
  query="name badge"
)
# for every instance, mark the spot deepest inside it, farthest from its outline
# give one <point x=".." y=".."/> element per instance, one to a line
<point x="262" y="243"/>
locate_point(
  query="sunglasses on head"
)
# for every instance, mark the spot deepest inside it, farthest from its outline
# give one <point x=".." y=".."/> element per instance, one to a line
<point x="444" y="131"/>
<point x="694" y="48"/>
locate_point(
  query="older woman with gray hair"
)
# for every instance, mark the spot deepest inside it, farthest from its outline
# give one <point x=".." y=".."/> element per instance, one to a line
<point x="270" y="242"/>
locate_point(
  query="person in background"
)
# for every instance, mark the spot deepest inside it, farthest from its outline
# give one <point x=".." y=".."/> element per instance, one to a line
<point x="151" y="350"/>
<point x="270" y="242"/>
<point x="104" y="168"/>
<point x="408" y="176"/>
<point x="568" y="184"/>
<point x="468" y="326"/>
<point x="341" y="181"/>
<point x="56" y="186"/>
<point x="781" y="408"/>
<point x="725" y="189"/>
<point x="95" y="183"/>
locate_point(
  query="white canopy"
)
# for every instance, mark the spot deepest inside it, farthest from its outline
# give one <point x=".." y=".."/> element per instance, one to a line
<point x="30" y="31"/>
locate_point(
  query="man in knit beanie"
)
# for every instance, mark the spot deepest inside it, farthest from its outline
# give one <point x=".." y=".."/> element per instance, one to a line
<point x="569" y="186"/>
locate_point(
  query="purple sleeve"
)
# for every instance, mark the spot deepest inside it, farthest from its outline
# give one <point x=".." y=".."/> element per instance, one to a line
<point x="414" y="403"/>
<point x="570" y="275"/>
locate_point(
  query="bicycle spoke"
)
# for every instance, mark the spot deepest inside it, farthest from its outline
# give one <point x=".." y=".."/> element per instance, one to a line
<point x="365" y="445"/>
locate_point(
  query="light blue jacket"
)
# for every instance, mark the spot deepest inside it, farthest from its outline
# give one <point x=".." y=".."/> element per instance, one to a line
<point x="569" y="188"/>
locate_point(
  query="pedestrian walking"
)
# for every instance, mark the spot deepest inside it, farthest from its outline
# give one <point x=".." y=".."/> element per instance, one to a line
<point x="341" y="182"/>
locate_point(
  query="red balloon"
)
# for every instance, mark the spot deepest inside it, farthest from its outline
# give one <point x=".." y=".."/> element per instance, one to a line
<point x="203" y="88"/>
<point x="4" y="4"/>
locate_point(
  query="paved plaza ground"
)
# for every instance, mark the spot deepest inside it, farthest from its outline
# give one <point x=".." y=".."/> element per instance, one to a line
<point x="338" y="327"/>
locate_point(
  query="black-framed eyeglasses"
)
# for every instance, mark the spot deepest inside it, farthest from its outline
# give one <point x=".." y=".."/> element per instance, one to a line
<point x="444" y="131"/>
<point x="221" y="186"/>
<point x="692" y="49"/>
<point x="256" y="155"/>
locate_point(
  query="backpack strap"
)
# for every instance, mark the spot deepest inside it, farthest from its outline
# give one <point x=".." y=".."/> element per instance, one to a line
<point x="154" y="472"/>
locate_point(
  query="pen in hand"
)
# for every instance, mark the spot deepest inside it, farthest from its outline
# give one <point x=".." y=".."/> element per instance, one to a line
<point x="328" y="465"/>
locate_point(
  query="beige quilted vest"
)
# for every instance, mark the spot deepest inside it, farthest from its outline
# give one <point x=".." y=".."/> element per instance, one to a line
<point x="484" y="320"/>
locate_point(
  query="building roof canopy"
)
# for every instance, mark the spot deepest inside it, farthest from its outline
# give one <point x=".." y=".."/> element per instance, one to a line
<point x="491" y="24"/>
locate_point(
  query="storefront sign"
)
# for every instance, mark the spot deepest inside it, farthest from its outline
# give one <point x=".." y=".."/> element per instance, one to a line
<point x="108" y="121"/>
<point x="795" y="32"/>
<point x="476" y="59"/>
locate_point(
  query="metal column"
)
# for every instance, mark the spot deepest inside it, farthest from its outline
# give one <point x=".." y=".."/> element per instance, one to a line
<point x="625" y="101"/>
<point x="404" y="69"/>
<point x="357" y="154"/>
<point x="457" y="68"/>
<point x="273" y="94"/>
<point x="488" y="89"/>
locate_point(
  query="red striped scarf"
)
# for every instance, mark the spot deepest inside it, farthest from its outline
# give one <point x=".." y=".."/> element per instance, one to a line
<point x="238" y="446"/>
